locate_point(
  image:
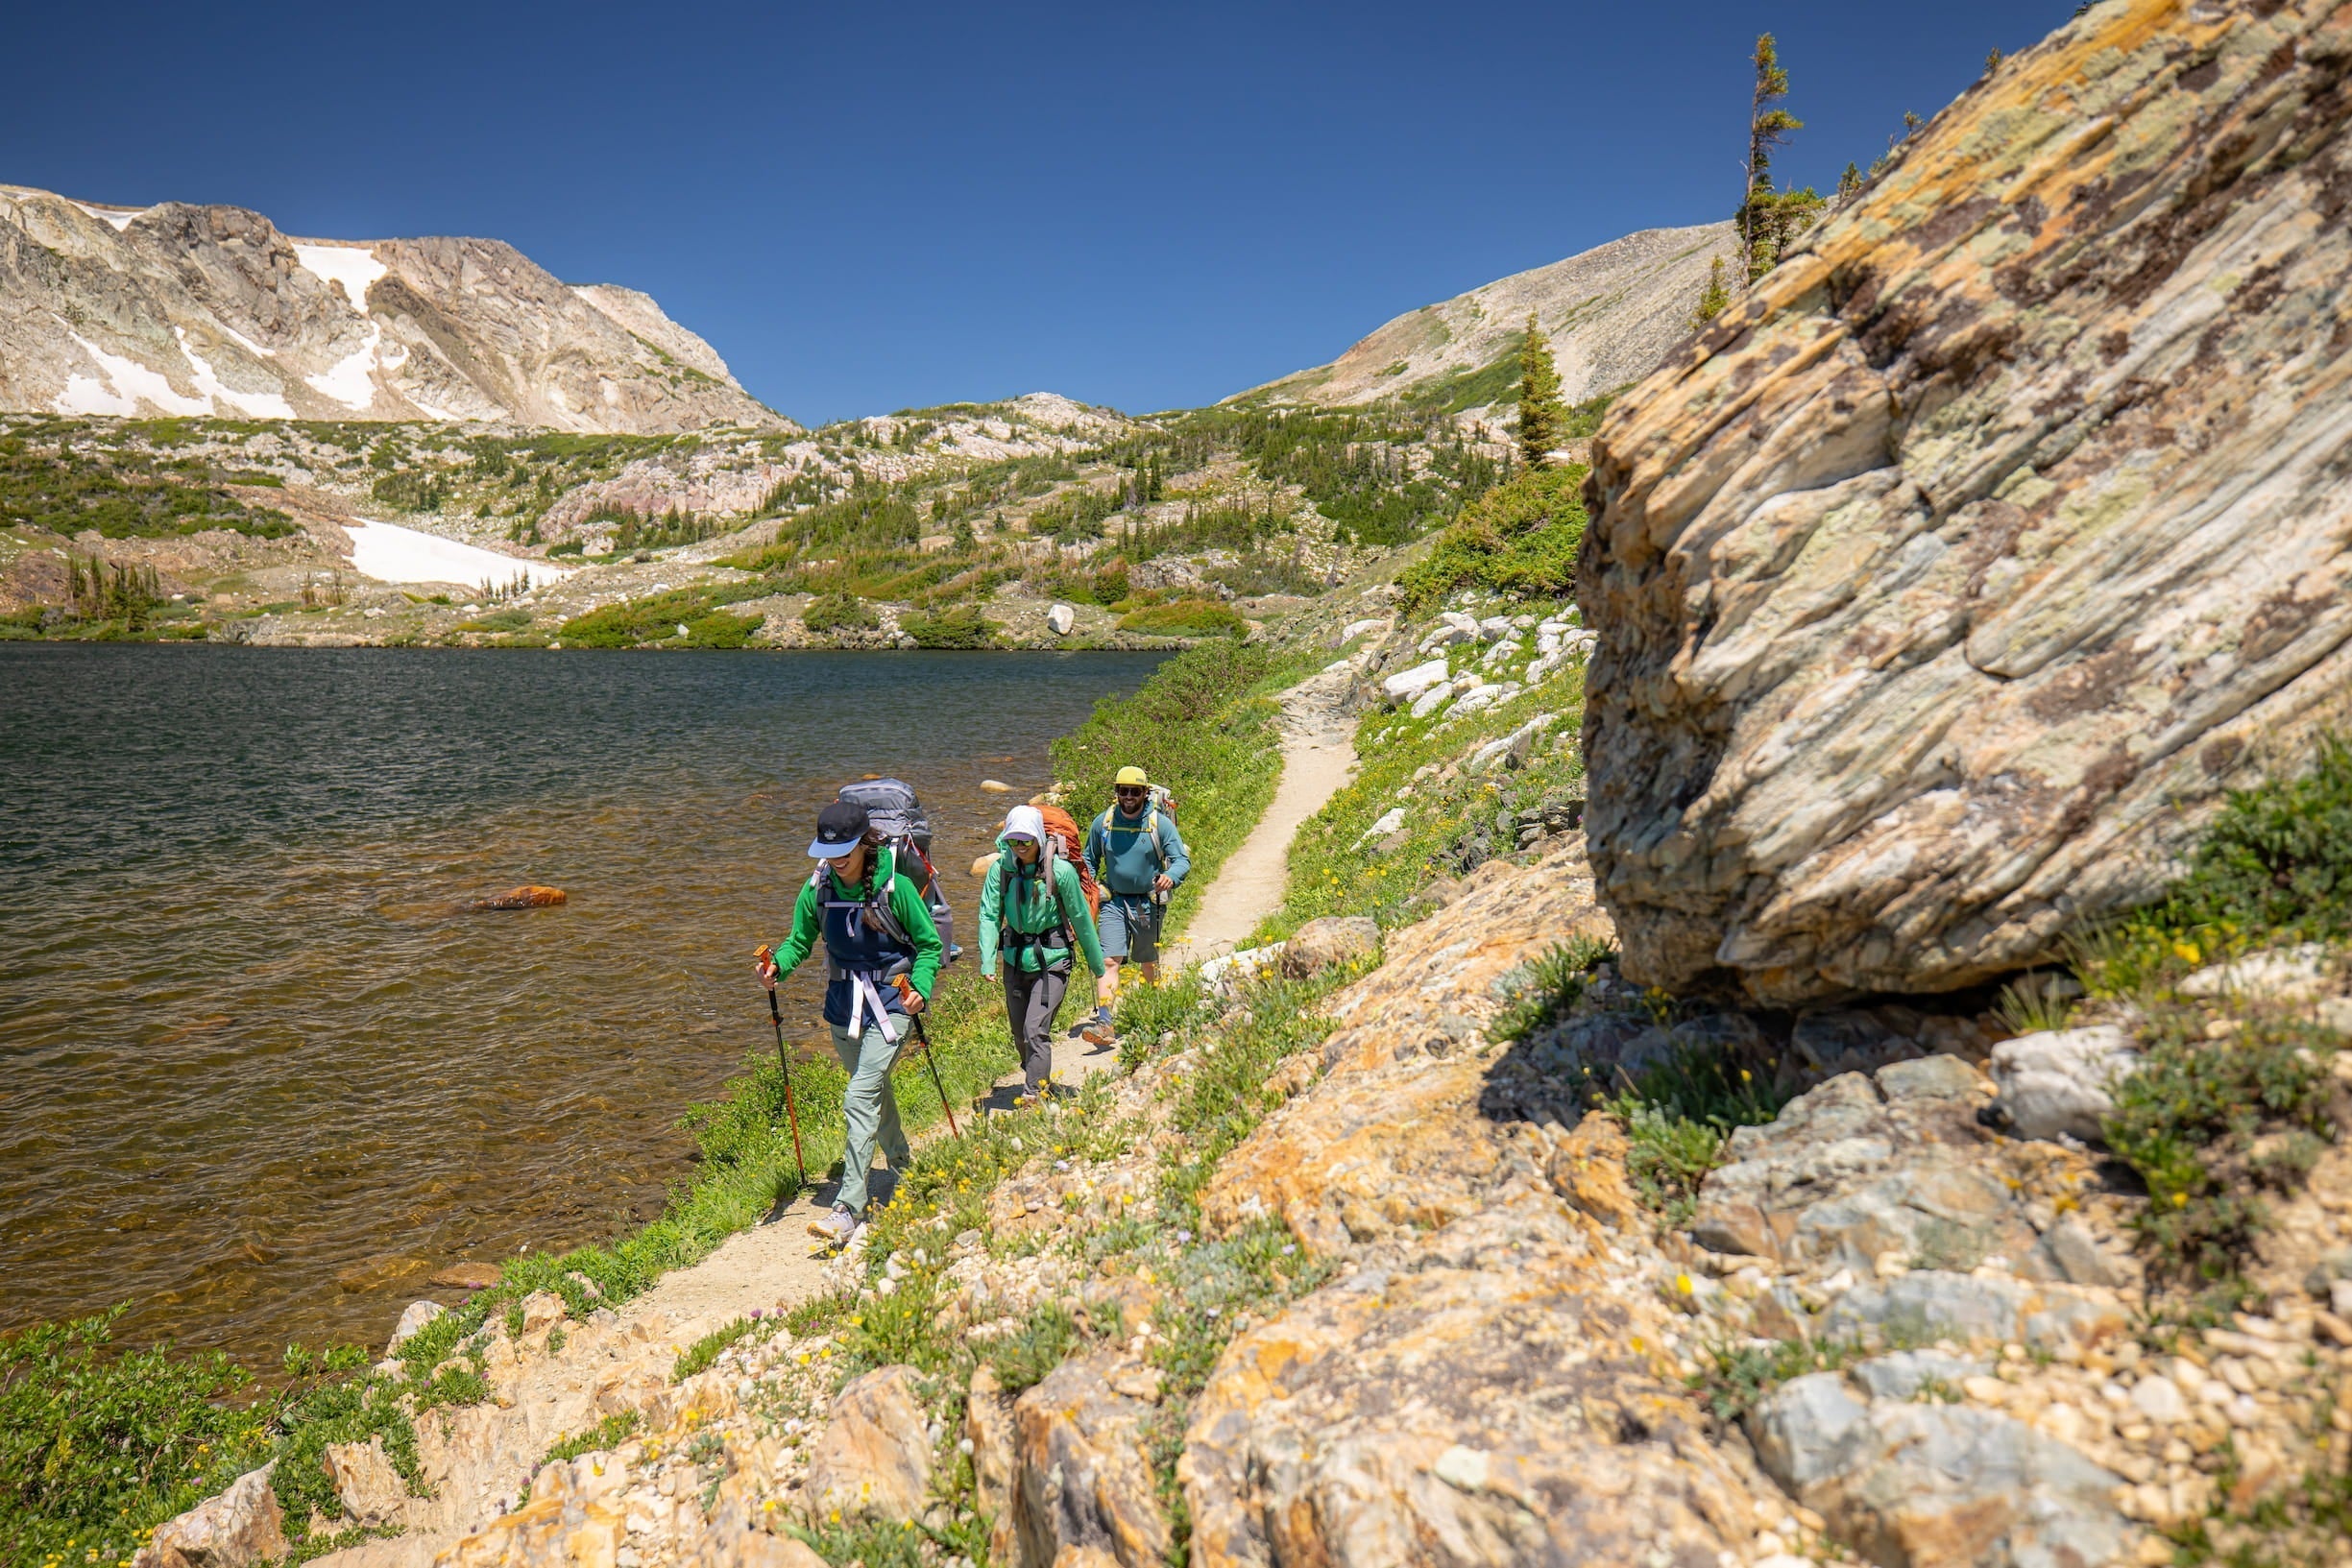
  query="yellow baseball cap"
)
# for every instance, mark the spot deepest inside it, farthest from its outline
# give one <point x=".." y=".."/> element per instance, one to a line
<point x="1131" y="775"/>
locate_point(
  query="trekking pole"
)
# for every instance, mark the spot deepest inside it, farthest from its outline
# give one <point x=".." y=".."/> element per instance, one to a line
<point x="791" y="1111"/>
<point x="930" y="1059"/>
<point x="933" y="1061"/>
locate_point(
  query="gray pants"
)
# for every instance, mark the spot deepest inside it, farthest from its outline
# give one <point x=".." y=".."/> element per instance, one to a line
<point x="1030" y="1001"/>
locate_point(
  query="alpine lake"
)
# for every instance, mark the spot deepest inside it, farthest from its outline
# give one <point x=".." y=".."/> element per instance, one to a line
<point x="262" y="1071"/>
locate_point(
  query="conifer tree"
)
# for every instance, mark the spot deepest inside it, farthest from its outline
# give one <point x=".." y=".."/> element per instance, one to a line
<point x="1541" y="416"/>
<point x="1849" y="184"/>
<point x="1768" y="126"/>
<point x="1714" y="298"/>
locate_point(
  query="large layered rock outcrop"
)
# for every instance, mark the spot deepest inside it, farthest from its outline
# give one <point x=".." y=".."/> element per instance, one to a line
<point x="1947" y="583"/>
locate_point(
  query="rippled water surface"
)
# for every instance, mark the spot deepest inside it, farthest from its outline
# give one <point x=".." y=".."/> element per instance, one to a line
<point x="257" y="1074"/>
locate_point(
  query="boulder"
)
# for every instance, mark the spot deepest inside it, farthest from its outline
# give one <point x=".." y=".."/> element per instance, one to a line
<point x="1930" y="1304"/>
<point x="2058" y="1080"/>
<point x="372" y="1491"/>
<point x="1863" y="1166"/>
<point x="1406" y="684"/>
<point x="542" y="1309"/>
<point x="1472" y="1401"/>
<point x="988" y="1426"/>
<point x="242" y="1525"/>
<point x="555" y="1532"/>
<point x="2296" y="973"/>
<point x="1229" y="972"/>
<point x="873" y="1462"/>
<point x="1081" y="1481"/>
<point x="1061" y="620"/>
<point x="413" y="1316"/>
<point x="1948" y="579"/>
<point x="1328" y="943"/>
<point x="1936" y="1485"/>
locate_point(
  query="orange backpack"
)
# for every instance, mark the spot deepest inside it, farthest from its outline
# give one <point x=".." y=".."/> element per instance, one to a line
<point x="1064" y="829"/>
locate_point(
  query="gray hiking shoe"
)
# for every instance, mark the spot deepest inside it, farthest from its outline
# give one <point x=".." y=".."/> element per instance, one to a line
<point x="836" y="1227"/>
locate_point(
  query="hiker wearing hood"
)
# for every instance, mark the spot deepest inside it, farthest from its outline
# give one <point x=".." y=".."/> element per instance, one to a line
<point x="869" y="916"/>
<point x="1033" y="915"/>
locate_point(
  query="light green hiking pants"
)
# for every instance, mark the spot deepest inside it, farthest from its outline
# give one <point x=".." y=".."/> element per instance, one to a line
<point x="870" y="1108"/>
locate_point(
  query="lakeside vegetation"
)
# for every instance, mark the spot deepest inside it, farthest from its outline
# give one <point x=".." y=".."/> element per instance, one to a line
<point x="97" y="1443"/>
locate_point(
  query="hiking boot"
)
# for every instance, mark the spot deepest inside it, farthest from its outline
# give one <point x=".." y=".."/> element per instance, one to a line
<point x="1099" y="1030"/>
<point x="836" y="1227"/>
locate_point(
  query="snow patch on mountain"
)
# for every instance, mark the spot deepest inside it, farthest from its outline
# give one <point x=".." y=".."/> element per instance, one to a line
<point x="352" y="267"/>
<point x="390" y="553"/>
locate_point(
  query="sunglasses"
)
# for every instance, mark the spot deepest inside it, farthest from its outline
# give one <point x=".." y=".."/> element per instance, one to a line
<point x="1130" y="791"/>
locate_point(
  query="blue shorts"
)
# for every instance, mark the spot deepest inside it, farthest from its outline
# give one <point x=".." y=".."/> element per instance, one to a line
<point x="1129" y="928"/>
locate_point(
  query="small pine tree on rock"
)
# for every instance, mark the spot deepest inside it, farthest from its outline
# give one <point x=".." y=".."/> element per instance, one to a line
<point x="1768" y="126"/>
<point x="1714" y="298"/>
<point x="1542" y="415"/>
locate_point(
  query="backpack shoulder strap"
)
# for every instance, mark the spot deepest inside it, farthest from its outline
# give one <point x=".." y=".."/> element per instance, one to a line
<point x="1151" y="831"/>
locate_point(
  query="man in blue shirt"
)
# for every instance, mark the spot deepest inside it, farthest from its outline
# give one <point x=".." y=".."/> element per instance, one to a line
<point x="1138" y="859"/>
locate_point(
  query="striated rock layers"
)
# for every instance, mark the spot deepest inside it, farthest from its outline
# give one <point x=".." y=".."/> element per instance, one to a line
<point x="1946" y="584"/>
<point x="178" y="309"/>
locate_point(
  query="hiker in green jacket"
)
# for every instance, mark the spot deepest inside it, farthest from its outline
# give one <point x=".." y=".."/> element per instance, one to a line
<point x="1033" y="912"/>
<point x="1139" y="859"/>
<point x="869" y="916"/>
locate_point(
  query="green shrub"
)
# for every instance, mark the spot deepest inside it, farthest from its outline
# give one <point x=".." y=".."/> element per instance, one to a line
<point x="839" y="612"/>
<point x="569" y="546"/>
<point x="1045" y="1338"/>
<point x="700" y="1354"/>
<point x="658" y="618"/>
<point x="962" y="626"/>
<point x="1667" y="1156"/>
<point x="409" y="490"/>
<point x="97" y="1446"/>
<point x="2210" y="1125"/>
<point x="1519" y="539"/>
<point x="603" y="1437"/>
<point x="1552" y="985"/>
<point x="497" y="620"/>
<point x="1185" y="617"/>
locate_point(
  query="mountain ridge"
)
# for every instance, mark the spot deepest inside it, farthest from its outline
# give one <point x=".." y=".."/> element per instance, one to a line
<point x="180" y="309"/>
<point x="1611" y="313"/>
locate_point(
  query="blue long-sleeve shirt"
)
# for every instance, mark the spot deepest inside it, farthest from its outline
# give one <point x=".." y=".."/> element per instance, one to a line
<point x="1125" y="857"/>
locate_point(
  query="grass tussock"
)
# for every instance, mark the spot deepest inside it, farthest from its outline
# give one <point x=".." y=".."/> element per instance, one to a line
<point x="2213" y="1126"/>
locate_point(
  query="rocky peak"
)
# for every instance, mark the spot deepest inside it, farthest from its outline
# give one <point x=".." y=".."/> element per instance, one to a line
<point x="177" y="310"/>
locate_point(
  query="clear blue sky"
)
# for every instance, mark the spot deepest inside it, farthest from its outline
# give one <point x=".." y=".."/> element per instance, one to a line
<point x="871" y="206"/>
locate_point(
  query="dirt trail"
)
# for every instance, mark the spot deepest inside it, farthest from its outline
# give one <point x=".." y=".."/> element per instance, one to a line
<point x="1317" y="754"/>
<point x="770" y="1266"/>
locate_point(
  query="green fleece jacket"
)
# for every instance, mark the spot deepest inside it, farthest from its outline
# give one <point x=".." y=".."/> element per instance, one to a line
<point x="824" y="913"/>
<point x="1014" y="900"/>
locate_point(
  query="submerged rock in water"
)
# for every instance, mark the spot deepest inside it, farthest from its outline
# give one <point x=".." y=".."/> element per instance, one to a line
<point x="466" y="1276"/>
<point x="528" y="896"/>
<point x="1948" y="579"/>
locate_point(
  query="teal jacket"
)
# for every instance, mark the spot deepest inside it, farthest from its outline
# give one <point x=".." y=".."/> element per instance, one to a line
<point x="1013" y="901"/>
<point x="1127" y="851"/>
